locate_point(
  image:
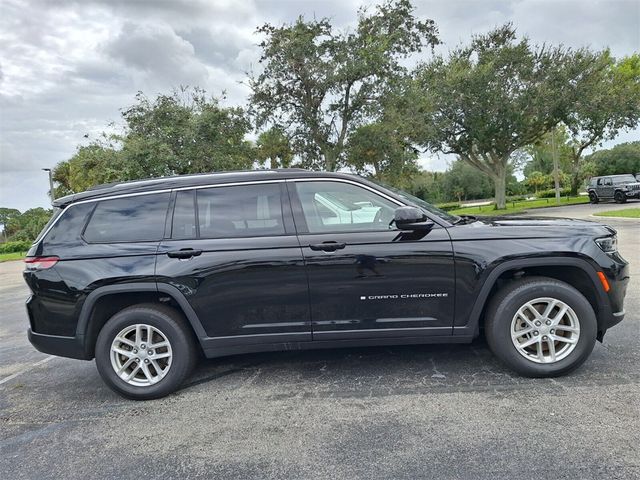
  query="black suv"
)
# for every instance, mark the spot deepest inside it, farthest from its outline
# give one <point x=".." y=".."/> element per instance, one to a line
<point x="145" y="276"/>
<point x="613" y="187"/>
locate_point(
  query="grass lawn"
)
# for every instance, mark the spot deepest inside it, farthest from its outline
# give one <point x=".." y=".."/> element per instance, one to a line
<point x="520" y="206"/>
<point x="7" y="257"/>
<point x="628" y="213"/>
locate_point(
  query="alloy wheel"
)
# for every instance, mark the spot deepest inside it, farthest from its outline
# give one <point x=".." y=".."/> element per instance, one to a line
<point x="545" y="330"/>
<point x="141" y="355"/>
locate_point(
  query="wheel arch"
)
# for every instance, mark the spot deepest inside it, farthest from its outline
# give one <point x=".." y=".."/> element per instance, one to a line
<point x="114" y="298"/>
<point x="576" y="272"/>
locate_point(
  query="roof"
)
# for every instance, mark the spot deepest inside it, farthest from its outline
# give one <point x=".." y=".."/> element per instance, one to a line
<point x="180" y="181"/>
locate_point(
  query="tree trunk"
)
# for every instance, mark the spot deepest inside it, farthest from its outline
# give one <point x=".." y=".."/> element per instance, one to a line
<point x="500" y="186"/>
<point x="575" y="179"/>
<point x="329" y="161"/>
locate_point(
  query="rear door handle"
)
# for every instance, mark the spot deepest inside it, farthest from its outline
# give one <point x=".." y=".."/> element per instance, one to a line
<point x="327" y="246"/>
<point x="184" y="253"/>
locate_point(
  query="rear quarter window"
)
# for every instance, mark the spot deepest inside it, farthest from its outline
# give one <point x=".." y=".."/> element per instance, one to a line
<point x="139" y="218"/>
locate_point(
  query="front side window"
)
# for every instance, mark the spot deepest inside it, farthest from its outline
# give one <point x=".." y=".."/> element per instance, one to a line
<point x="131" y="219"/>
<point x="240" y="211"/>
<point x="335" y="206"/>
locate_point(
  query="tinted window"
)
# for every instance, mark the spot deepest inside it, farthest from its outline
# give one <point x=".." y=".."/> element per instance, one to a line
<point x="68" y="229"/>
<point x="607" y="181"/>
<point x="624" y="179"/>
<point x="241" y="211"/>
<point x="131" y="219"/>
<point x="336" y="206"/>
<point x="184" y="216"/>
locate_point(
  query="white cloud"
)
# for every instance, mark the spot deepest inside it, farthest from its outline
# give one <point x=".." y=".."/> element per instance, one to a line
<point x="67" y="67"/>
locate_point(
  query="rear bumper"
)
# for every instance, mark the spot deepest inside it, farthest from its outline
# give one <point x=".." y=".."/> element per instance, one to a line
<point x="72" y="347"/>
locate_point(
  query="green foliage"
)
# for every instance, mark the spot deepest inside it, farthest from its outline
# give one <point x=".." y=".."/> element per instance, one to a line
<point x="551" y="193"/>
<point x="26" y="226"/>
<point x="462" y="182"/>
<point x="541" y="152"/>
<point x="273" y="146"/>
<point x="319" y="84"/>
<point x="186" y="132"/>
<point x="12" y="247"/>
<point x="378" y="147"/>
<point x="489" y="99"/>
<point x="607" y="100"/>
<point x="7" y="214"/>
<point x="623" y="158"/>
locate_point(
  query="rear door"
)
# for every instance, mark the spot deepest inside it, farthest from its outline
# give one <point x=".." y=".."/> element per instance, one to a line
<point x="368" y="280"/>
<point x="607" y="187"/>
<point x="233" y="253"/>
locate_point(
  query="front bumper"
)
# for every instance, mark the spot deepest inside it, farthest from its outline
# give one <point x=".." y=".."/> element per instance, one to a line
<point x="71" y="347"/>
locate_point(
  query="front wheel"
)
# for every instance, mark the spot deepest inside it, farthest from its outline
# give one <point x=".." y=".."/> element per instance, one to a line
<point x="145" y="351"/>
<point x="593" y="198"/>
<point x="620" y="197"/>
<point x="541" y="327"/>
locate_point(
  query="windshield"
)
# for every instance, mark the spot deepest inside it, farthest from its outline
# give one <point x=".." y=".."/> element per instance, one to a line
<point x="418" y="202"/>
<point x="624" y="179"/>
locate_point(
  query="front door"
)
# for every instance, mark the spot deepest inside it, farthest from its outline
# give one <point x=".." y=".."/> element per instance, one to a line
<point x="367" y="279"/>
<point x="233" y="253"/>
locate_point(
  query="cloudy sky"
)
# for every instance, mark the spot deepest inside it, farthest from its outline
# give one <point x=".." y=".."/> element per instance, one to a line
<point x="67" y="67"/>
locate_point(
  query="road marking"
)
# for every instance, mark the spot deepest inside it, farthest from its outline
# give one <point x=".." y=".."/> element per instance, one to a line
<point x="30" y="367"/>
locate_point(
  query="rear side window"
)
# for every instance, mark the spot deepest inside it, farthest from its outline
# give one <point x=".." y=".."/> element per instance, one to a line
<point x="240" y="211"/>
<point x="184" y="216"/>
<point x="132" y="219"/>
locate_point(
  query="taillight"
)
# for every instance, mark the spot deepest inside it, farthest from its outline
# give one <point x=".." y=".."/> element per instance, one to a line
<point x="40" y="263"/>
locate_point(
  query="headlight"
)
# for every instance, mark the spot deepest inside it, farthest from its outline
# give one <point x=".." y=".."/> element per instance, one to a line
<point x="608" y="244"/>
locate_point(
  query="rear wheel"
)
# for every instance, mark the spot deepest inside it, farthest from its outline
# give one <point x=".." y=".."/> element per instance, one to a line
<point x="620" y="197"/>
<point x="541" y="327"/>
<point x="145" y="351"/>
<point x="593" y="198"/>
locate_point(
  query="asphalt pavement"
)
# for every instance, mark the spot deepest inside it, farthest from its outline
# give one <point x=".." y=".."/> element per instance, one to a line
<point x="433" y="411"/>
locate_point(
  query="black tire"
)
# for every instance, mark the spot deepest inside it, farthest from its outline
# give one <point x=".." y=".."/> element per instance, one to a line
<point x="620" y="197"/>
<point x="593" y="198"/>
<point x="172" y="325"/>
<point x="504" y="306"/>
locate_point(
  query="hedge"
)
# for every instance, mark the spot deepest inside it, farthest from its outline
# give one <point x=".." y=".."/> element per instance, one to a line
<point x="551" y="193"/>
<point x="11" y="247"/>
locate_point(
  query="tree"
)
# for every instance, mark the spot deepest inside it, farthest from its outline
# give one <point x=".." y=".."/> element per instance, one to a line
<point x="541" y="153"/>
<point x="319" y="84"/>
<point x="185" y="132"/>
<point x="489" y="99"/>
<point x="623" y="158"/>
<point x="464" y="182"/>
<point x="91" y="165"/>
<point x="378" y="149"/>
<point x="538" y="180"/>
<point x="27" y="225"/>
<point x="273" y="146"/>
<point x="6" y="216"/>
<point x="607" y="100"/>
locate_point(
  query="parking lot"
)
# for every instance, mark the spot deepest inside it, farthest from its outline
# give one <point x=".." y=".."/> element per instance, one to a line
<point x="433" y="411"/>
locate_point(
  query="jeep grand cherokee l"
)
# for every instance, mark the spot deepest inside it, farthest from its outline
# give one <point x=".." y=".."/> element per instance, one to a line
<point x="145" y="276"/>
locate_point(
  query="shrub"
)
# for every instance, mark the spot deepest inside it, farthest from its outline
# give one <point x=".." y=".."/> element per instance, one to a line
<point x="11" y="247"/>
<point x="448" y="206"/>
<point x="551" y="193"/>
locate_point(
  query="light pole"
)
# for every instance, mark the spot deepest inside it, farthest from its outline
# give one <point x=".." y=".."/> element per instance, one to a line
<point x="51" y="192"/>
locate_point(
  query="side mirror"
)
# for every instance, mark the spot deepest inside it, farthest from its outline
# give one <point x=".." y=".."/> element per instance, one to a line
<point x="411" y="218"/>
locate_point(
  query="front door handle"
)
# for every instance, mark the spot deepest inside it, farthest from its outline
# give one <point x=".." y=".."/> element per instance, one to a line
<point x="327" y="246"/>
<point x="184" y="253"/>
